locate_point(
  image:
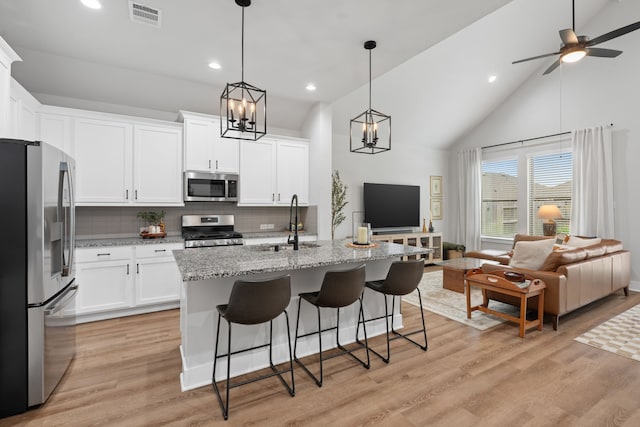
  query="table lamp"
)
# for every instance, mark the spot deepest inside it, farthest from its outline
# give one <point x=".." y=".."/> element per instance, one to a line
<point x="549" y="213"/>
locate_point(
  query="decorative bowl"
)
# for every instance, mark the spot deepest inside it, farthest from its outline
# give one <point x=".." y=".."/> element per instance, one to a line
<point x="514" y="276"/>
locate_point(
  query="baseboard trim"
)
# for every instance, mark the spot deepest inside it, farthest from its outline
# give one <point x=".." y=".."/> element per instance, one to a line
<point x="634" y="286"/>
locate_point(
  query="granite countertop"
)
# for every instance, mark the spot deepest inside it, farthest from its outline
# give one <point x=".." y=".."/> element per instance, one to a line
<point x="229" y="261"/>
<point x="126" y="241"/>
<point x="272" y="233"/>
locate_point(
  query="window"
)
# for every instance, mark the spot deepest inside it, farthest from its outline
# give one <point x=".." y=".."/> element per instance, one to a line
<point x="550" y="184"/>
<point x="499" y="198"/>
<point x="516" y="182"/>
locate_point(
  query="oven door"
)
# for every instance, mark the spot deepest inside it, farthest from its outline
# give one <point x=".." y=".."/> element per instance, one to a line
<point x="206" y="187"/>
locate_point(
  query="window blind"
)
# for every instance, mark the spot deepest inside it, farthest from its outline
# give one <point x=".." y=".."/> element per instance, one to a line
<point x="499" y="198"/>
<point x="549" y="183"/>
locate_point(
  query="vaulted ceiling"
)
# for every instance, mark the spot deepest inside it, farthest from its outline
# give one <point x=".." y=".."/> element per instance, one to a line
<point x="74" y="53"/>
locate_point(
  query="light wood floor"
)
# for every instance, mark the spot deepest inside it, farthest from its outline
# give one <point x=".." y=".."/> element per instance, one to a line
<point x="127" y="374"/>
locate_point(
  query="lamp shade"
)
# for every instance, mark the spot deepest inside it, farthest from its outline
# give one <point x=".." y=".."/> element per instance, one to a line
<point x="549" y="212"/>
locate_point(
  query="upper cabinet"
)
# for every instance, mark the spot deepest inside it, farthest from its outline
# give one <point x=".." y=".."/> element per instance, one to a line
<point x="120" y="161"/>
<point x="7" y="57"/>
<point x="23" y="111"/>
<point x="272" y="171"/>
<point x="204" y="149"/>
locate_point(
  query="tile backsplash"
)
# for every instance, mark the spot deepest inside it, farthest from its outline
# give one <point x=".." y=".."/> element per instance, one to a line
<point x="101" y="222"/>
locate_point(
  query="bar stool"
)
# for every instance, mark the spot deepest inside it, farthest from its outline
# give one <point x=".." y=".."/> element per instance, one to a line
<point x="252" y="303"/>
<point x="402" y="279"/>
<point x="339" y="289"/>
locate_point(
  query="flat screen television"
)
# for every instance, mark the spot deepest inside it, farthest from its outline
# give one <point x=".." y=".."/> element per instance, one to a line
<point x="391" y="206"/>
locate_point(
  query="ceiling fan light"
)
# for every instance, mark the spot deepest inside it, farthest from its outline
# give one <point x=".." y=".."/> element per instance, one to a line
<point x="574" y="55"/>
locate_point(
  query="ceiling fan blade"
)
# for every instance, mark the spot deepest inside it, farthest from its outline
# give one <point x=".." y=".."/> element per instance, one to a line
<point x="552" y="67"/>
<point x="535" y="57"/>
<point x="603" y="53"/>
<point x="613" y="34"/>
<point x="568" y="37"/>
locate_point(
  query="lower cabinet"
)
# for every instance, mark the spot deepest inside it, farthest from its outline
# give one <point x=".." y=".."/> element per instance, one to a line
<point x="432" y="241"/>
<point x="125" y="280"/>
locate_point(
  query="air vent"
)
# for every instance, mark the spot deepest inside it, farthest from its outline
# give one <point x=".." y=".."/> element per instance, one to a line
<point x="144" y="14"/>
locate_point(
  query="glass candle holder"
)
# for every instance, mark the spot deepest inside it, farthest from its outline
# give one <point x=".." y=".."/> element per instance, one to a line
<point x="362" y="233"/>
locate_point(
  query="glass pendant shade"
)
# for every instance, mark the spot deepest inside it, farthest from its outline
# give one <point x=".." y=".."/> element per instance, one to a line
<point x="243" y="107"/>
<point x="370" y="132"/>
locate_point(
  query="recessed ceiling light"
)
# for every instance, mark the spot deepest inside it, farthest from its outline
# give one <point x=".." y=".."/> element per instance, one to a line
<point x="214" y="65"/>
<point x="492" y="78"/>
<point x="310" y="87"/>
<point x="92" y="4"/>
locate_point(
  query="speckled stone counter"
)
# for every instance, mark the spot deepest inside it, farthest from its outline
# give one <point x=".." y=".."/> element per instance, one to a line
<point x="208" y="277"/>
<point x="125" y="241"/>
<point x="228" y="261"/>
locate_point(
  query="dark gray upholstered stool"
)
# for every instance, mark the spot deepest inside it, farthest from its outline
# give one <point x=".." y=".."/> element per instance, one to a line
<point x="402" y="279"/>
<point x="252" y="303"/>
<point x="339" y="289"/>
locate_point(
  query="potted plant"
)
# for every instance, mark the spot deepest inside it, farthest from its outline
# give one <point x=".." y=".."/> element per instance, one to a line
<point x="338" y="201"/>
<point x="154" y="221"/>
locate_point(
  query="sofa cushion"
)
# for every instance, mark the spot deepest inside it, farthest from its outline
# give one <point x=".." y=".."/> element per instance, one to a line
<point x="612" y="245"/>
<point x="580" y="242"/>
<point x="594" y="251"/>
<point x="531" y="254"/>
<point x="557" y="258"/>
<point x="528" y="238"/>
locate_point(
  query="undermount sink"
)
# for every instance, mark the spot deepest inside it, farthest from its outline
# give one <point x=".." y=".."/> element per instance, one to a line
<point x="281" y="247"/>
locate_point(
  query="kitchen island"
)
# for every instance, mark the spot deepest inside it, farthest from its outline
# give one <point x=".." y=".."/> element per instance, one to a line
<point x="208" y="275"/>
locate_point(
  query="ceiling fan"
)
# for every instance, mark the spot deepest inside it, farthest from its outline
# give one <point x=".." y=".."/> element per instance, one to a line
<point x="574" y="48"/>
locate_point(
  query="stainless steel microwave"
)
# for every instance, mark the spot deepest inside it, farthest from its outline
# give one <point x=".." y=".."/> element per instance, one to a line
<point x="210" y="187"/>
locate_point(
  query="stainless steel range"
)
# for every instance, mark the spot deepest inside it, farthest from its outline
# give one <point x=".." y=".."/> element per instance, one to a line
<point x="201" y="231"/>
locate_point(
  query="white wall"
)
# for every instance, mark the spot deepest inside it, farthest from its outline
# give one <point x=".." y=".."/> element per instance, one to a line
<point x="595" y="91"/>
<point x="410" y="160"/>
<point x="317" y="128"/>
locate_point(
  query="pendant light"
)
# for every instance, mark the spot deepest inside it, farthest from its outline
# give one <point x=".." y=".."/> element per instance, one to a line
<point x="370" y="131"/>
<point x="243" y="107"/>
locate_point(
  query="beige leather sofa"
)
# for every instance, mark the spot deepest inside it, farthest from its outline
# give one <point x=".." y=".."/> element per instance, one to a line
<point x="574" y="278"/>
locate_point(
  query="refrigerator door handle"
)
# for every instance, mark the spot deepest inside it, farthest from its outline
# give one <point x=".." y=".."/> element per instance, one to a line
<point x="60" y="302"/>
<point x="68" y="217"/>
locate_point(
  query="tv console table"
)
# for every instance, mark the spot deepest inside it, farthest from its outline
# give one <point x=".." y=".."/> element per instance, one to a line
<point x="432" y="241"/>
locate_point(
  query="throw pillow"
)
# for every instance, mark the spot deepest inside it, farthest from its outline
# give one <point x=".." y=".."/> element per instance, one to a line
<point x="531" y="254"/>
<point x="580" y="242"/>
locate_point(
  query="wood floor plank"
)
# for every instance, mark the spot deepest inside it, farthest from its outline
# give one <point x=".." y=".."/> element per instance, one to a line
<point x="126" y="373"/>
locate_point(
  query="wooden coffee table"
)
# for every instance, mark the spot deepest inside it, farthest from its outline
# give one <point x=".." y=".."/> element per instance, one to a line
<point x="454" y="270"/>
<point x="497" y="283"/>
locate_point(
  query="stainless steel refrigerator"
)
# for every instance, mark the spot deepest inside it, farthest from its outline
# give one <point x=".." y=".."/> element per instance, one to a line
<point x="37" y="275"/>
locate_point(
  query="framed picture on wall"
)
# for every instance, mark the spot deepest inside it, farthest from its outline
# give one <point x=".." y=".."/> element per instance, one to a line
<point x="436" y="208"/>
<point x="436" y="186"/>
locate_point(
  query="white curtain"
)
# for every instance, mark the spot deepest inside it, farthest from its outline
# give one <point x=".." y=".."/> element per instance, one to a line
<point x="469" y="197"/>
<point x="592" y="210"/>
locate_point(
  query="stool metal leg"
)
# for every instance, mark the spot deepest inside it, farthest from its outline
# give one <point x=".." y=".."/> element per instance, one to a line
<point x="392" y="330"/>
<point x="223" y="406"/>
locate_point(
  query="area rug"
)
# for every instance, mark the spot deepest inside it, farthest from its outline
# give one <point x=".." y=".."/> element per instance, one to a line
<point x="619" y="335"/>
<point x="453" y="305"/>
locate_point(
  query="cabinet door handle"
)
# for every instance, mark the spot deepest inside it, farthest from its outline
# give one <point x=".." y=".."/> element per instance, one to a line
<point x="273" y="197"/>
<point x="127" y="269"/>
<point x="126" y="194"/>
<point x="160" y="250"/>
<point x="136" y="194"/>
<point x="216" y="165"/>
<point x="137" y="268"/>
<point x="209" y="164"/>
<point x="105" y="254"/>
<point x="278" y="196"/>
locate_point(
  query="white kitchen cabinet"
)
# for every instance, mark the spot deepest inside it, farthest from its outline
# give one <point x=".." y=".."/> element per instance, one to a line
<point x="105" y="280"/>
<point x="23" y="113"/>
<point x="127" y="163"/>
<point x="157" y="165"/>
<point x="7" y="57"/>
<point x="204" y="149"/>
<point x="271" y="171"/>
<point x="55" y="129"/>
<point x="126" y="280"/>
<point x="157" y="275"/>
<point x="103" y="161"/>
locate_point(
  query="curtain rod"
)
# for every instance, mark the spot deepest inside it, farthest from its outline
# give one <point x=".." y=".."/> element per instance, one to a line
<point x="532" y="139"/>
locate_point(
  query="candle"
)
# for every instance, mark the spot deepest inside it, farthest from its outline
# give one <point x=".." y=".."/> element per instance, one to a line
<point x="363" y="236"/>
